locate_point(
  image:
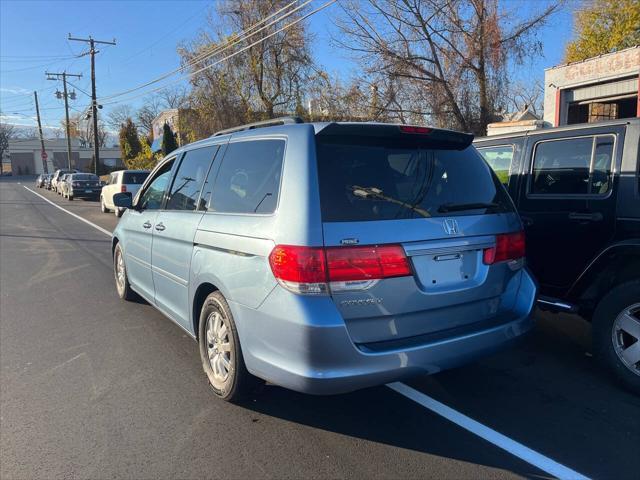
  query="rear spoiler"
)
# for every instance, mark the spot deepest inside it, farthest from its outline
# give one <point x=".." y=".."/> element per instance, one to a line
<point x="426" y="137"/>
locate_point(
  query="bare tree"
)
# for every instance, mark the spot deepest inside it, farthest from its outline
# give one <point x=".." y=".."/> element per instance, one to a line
<point x="7" y="132"/>
<point x="118" y="116"/>
<point x="521" y="96"/>
<point x="150" y="109"/>
<point x="447" y="60"/>
<point x="173" y="97"/>
<point x="266" y="80"/>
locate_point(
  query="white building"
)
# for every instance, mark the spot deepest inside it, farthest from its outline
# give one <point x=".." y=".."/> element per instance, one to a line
<point x="600" y="88"/>
<point x="23" y="157"/>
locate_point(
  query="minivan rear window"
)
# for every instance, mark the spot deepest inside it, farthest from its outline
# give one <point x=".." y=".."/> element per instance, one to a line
<point x="134" y="178"/>
<point x="366" y="179"/>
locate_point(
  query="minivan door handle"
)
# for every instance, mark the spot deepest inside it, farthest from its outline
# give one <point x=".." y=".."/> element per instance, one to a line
<point x="586" y="217"/>
<point x="160" y="227"/>
<point x="147" y="224"/>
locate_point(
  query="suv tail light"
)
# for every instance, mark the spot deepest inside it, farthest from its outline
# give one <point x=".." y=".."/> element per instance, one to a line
<point x="313" y="270"/>
<point x="123" y="189"/>
<point x="509" y="246"/>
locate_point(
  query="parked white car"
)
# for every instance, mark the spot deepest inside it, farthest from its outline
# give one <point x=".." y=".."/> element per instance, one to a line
<point x="121" y="181"/>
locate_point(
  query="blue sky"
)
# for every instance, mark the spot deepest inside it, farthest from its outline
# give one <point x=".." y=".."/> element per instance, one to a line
<point x="33" y="38"/>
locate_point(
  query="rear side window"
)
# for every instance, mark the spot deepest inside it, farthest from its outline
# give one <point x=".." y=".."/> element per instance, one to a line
<point x="573" y="166"/>
<point x="249" y="177"/>
<point x="134" y="178"/>
<point x="499" y="159"/>
<point x="364" y="179"/>
<point x="189" y="178"/>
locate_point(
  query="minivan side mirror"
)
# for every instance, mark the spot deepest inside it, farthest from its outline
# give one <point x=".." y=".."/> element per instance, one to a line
<point x="122" y="200"/>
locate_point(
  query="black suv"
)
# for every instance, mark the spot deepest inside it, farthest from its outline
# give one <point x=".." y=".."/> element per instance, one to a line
<point x="577" y="189"/>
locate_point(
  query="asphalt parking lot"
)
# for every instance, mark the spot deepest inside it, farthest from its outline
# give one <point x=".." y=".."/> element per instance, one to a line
<point x="93" y="387"/>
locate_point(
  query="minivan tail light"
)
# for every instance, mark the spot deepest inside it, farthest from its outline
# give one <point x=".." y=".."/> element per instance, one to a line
<point x="509" y="246"/>
<point x="369" y="262"/>
<point x="313" y="270"/>
<point x="123" y="189"/>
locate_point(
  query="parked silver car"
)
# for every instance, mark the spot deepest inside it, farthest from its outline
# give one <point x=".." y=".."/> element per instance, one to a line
<point x="327" y="257"/>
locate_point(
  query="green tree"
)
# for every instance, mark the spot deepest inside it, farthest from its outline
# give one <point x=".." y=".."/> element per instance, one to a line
<point x="130" y="146"/>
<point x="604" y="26"/>
<point x="169" y="143"/>
<point x="145" y="160"/>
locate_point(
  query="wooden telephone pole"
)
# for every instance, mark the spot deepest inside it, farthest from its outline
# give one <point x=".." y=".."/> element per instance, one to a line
<point x="43" y="154"/>
<point x="94" y="103"/>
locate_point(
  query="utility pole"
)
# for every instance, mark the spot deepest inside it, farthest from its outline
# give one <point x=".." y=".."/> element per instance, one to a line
<point x="43" y="154"/>
<point x="94" y="103"/>
<point x="64" y="75"/>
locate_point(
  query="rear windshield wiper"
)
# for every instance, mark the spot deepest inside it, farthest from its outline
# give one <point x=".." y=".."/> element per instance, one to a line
<point x="377" y="194"/>
<point x="456" y="207"/>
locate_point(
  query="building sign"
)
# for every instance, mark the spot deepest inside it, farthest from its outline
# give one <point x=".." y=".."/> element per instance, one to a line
<point x="605" y="66"/>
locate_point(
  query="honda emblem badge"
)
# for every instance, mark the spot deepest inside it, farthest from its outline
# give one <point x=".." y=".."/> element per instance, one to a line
<point x="451" y="226"/>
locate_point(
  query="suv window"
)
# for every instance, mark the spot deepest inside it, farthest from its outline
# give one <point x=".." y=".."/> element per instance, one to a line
<point x="134" y="178"/>
<point x="499" y="158"/>
<point x="249" y="177"/>
<point x="363" y="179"/>
<point x="574" y="166"/>
<point x="188" y="181"/>
<point x="153" y="195"/>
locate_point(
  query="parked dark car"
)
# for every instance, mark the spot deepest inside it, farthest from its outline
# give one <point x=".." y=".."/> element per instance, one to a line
<point x="81" y="185"/>
<point x="577" y="189"/>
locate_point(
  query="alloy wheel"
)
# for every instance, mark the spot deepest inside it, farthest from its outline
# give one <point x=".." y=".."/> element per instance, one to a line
<point x="219" y="349"/>
<point x="626" y="337"/>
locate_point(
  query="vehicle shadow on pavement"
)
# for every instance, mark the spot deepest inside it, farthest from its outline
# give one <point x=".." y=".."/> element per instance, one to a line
<point x="547" y="393"/>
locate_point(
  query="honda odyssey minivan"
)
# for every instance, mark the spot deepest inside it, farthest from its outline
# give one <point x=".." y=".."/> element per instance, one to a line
<point x="327" y="257"/>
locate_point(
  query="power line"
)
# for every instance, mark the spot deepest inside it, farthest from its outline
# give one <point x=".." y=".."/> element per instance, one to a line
<point x="171" y="32"/>
<point x="32" y="67"/>
<point x="243" y="35"/>
<point x="304" y="17"/>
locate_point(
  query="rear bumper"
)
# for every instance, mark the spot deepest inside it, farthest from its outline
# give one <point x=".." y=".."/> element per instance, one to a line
<point x="301" y="343"/>
<point x="83" y="194"/>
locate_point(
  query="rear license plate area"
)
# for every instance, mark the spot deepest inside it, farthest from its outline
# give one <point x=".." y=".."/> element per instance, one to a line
<point x="446" y="271"/>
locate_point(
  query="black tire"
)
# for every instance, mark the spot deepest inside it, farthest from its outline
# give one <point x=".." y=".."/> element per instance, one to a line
<point x="118" y="212"/>
<point x="69" y="197"/>
<point x="239" y="381"/>
<point x="122" y="287"/>
<point x="612" y="305"/>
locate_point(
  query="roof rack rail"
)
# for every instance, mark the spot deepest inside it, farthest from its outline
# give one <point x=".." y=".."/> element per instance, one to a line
<point x="264" y="123"/>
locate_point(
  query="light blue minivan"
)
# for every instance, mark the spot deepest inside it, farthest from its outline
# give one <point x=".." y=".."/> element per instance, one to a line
<point x="327" y="257"/>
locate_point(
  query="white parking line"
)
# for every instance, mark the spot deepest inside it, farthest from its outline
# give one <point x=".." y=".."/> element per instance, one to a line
<point x="505" y="443"/>
<point x="97" y="227"/>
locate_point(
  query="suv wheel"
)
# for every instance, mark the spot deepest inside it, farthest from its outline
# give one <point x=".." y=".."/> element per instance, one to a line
<point x="220" y="350"/>
<point x="120" y="272"/>
<point x="616" y="334"/>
